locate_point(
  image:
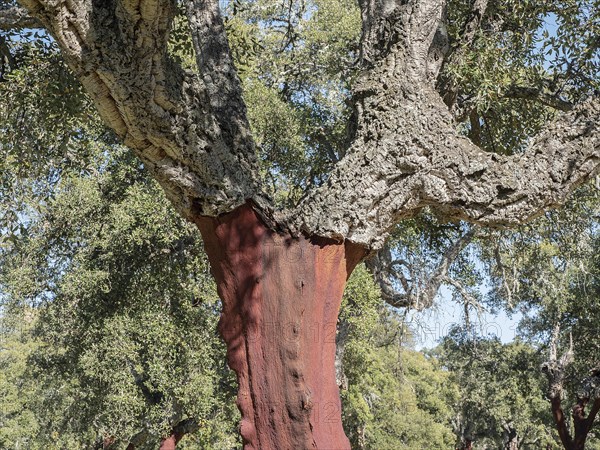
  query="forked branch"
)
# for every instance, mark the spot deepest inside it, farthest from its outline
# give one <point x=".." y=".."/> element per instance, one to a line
<point x="191" y="131"/>
<point x="418" y="292"/>
<point x="407" y="153"/>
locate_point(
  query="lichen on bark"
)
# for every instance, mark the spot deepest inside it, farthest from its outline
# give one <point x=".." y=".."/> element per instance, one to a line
<point x="192" y="133"/>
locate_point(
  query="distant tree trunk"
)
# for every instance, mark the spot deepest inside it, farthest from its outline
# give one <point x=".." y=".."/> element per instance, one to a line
<point x="511" y="437"/>
<point x="281" y="296"/>
<point x="184" y="427"/>
<point x="468" y="445"/>
<point x="362" y="439"/>
<point x="106" y="442"/>
<point x="583" y="421"/>
<point x="465" y="436"/>
<point x="170" y="442"/>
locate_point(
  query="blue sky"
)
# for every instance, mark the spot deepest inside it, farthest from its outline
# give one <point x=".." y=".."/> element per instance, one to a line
<point x="431" y="325"/>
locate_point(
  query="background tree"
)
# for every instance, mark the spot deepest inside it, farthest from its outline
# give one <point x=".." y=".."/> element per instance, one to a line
<point x="125" y="349"/>
<point x="549" y="271"/>
<point x="501" y="401"/>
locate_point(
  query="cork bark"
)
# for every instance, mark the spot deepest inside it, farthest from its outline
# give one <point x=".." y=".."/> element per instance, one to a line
<point x="192" y="133"/>
<point x="407" y="153"/>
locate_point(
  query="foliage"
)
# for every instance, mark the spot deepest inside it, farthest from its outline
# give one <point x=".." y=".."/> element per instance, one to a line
<point x="17" y="390"/>
<point x="501" y="391"/>
<point x="396" y="398"/>
<point x="296" y="61"/>
<point x="549" y="272"/>
<point x="126" y="314"/>
<point x="525" y="56"/>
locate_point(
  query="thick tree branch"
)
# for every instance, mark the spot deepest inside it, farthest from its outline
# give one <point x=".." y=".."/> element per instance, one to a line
<point x="537" y="94"/>
<point x="407" y="154"/>
<point x="118" y="49"/>
<point x="594" y="410"/>
<point x="217" y="69"/>
<point x="561" y="422"/>
<point x="13" y="17"/>
<point x="192" y="134"/>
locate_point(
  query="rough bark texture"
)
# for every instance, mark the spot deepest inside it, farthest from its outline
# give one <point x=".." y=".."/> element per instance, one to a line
<point x="407" y="153"/>
<point x="281" y="296"/>
<point x="555" y="370"/>
<point x="216" y="67"/>
<point x="118" y="49"/>
<point x="192" y="132"/>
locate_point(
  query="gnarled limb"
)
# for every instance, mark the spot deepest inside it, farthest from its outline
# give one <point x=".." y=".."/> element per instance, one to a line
<point x="407" y="153"/>
<point x="589" y="394"/>
<point x="417" y="293"/>
<point x="118" y="49"/>
<point x="192" y="132"/>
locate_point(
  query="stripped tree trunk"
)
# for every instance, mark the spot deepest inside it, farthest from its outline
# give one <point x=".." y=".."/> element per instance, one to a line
<point x="170" y="442"/>
<point x="587" y="396"/>
<point x="281" y="295"/>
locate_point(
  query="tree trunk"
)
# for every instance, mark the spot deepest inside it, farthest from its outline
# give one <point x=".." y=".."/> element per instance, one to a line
<point x="281" y="296"/>
<point x="184" y="427"/>
<point x="465" y="444"/>
<point x="512" y="443"/>
<point x="170" y="442"/>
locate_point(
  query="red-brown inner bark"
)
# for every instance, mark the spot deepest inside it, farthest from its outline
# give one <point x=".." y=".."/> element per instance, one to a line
<point x="581" y="424"/>
<point x="170" y="442"/>
<point x="281" y="297"/>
